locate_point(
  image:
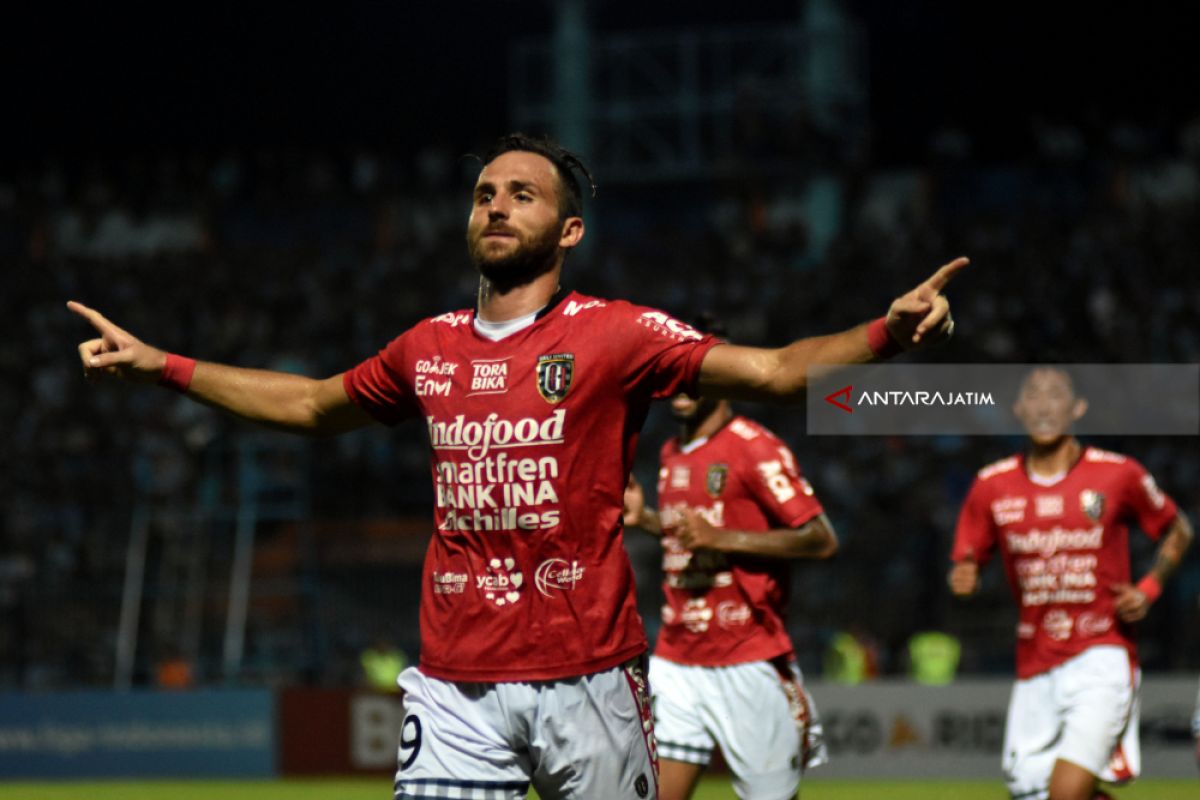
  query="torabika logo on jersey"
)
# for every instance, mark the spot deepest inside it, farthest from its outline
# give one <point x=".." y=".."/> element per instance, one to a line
<point x="554" y="373"/>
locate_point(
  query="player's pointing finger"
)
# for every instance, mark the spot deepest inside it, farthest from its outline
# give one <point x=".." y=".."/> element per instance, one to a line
<point x="91" y="315"/>
<point x="946" y="273"/>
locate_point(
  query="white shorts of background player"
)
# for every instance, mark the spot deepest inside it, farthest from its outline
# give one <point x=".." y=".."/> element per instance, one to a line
<point x="744" y="708"/>
<point x="1084" y="711"/>
<point x="577" y="738"/>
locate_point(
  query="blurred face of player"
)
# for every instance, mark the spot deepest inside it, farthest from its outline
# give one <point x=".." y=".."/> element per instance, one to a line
<point x="515" y="232"/>
<point x="1047" y="406"/>
<point x="692" y="410"/>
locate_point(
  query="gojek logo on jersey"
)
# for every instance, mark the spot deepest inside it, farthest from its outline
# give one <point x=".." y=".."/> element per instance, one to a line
<point x="478" y="438"/>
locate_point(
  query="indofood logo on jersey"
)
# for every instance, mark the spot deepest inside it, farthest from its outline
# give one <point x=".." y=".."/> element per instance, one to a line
<point x="492" y="489"/>
<point x="554" y="374"/>
<point x="1047" y="543"/>
<point x="478" y="438"/>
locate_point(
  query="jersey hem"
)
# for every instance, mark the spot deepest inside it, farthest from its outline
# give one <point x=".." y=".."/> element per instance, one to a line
<point x="554" y="673"/>
<point x="684" y="662"/>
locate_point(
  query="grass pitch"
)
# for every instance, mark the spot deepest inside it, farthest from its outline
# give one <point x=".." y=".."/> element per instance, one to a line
<point x="380" y="789"/>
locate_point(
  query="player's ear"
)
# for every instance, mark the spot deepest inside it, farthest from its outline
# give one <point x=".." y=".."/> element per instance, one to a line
<point x="1079" y="409"/>
<point x="572" y="232"/>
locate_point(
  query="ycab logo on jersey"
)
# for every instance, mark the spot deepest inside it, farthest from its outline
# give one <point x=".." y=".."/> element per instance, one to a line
<point x="1057" y="624"/>
<point x="556" y="574"/>
<point x="502" y="582"/>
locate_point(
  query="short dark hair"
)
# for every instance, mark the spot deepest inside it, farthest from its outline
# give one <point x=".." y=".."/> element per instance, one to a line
<point x="570" y="195"/>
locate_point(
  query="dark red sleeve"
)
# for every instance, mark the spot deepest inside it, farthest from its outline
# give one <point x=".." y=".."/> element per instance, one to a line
<point x="377" y="385"/>
<point x="975" y="535"/>
<point x="661" y="355"/>
<point x="1150" y="506"/>
<point x="773" y="478"/>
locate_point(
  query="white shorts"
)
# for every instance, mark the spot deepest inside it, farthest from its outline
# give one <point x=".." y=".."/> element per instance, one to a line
<point x="759" y="713"/>
<point x="581" y="738"/>
<point x="1084" y="711"/>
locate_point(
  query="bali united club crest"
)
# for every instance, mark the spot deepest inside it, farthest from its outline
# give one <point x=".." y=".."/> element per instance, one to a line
<point x="714" y="481"/>
<point x="1091" y="503"/>
<point x="554" y="373"/>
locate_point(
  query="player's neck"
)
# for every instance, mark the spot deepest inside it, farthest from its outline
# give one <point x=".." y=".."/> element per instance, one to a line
<point x="502" y="303"/>
<point x="707" y="426"/>
<point x="1054" y="458"/>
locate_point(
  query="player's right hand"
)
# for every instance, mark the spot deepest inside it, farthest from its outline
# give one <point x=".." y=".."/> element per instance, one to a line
<point x="635" y="503"/>
<point x="964" y="577"/>
<point x="116" y="352"/>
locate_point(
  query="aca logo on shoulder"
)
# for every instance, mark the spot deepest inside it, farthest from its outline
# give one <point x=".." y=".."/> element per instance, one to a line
<point x="556" y="573"/>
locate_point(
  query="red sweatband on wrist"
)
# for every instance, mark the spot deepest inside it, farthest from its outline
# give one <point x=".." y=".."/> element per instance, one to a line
<point x="881" y="341"/>
<point x="1150" y="587"/>
<point x="177" y="372"/>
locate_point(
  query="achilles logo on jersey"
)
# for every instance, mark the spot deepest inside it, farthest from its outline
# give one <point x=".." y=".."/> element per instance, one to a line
<point x="502" y="583"/>
<point x="777" y="481"/>
<point x="554" y="373"/>
<point x="449" y="582"/>
<point x="478" y="438"/>
<point x="1157" y="498"/>
<point x="669" y="326"/>
<point x="489" y="377"/>
<point x="555" y="573"/>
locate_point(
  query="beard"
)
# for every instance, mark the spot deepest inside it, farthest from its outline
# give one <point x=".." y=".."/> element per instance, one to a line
<point x="698" y="412"/>
<point x="524" y="263"/>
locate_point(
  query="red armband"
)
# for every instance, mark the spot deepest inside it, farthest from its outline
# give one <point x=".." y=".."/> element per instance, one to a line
<point x="883" y="345"/>
<point x="1150" y="587"/>
<point x="177" y="372"/>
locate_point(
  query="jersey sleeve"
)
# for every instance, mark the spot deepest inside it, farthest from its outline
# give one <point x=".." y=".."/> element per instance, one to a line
<point x="1152" y="508"/>
<point x="661" y="356"/>
<point x="975" y="534"/>
<point x="773" y="478"/>
<point x="377" y="385"/>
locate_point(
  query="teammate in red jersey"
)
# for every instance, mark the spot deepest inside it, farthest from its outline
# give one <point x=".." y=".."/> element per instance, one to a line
<point x="1059" y="516"/>
<point x="532" y="402"/>
<point x="732" y="508"/>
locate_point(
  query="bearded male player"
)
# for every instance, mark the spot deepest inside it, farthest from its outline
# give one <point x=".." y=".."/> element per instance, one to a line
<point x="532" y="401"/>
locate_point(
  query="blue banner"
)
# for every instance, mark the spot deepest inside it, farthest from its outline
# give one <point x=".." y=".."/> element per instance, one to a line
<point x="207" y="733"/>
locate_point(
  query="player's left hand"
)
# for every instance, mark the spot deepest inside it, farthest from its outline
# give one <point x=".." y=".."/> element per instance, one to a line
<point x="1130" y="604"/>
<point x="922" y="316"/>
<point x="695" y="533"/>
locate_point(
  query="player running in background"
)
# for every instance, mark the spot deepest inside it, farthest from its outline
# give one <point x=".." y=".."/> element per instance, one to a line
<point x="733" y="509"/>
<point x="530" y="639"/>
<point x="1059" y="514"/>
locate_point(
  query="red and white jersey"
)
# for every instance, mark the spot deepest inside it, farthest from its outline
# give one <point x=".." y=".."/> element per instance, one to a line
<point x="724" y="608"/>
<point x="532" y="438"/>
<point x="1063" y="547"/>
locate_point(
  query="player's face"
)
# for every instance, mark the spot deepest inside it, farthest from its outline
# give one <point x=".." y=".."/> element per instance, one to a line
<point x="691" y="409"/>
<point x="514" y="233"/>
<point x="1047" y="405"/>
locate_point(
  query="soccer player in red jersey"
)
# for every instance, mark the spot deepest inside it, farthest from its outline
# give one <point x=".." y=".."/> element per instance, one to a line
<point x="1059" y="514"/>
<point x="732" y="510"/>
<point x="532" y="401"/>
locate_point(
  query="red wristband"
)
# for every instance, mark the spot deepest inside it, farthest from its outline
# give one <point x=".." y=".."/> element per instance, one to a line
<point x="1150" y="587"/>
<point x="177" y="372"/>
<point x="881" y="341"/>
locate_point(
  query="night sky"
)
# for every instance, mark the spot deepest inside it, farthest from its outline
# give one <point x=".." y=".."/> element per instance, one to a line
<point x="102" y="81"/>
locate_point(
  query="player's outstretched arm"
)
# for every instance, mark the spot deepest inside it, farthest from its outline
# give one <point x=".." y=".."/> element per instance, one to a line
<point x="276" y="399"/>
<point x="814" y="539"/>
<point x="1132" y="603"/>
<point x="916" y="319"/>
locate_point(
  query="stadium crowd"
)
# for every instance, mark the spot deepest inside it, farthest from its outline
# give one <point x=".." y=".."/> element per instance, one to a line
<point x="1083" y="251"/>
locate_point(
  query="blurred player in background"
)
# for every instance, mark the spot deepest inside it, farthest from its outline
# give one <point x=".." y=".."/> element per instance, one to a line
<point x="732" y="510"/>
<point x="1059" y="516"/>
<point x="529" y="668"/>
